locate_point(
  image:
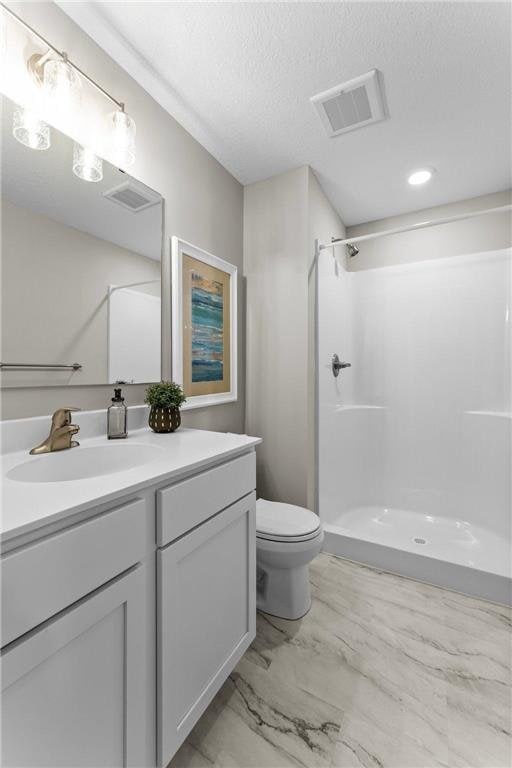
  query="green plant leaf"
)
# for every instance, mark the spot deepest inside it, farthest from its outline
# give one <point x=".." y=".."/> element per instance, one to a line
<point x="165" y="394"/>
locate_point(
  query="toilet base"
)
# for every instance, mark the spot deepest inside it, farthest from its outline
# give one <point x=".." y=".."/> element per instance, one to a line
<point x="284" y="592"/>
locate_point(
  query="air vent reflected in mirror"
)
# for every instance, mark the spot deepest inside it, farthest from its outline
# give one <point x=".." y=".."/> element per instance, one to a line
<point x="134" y="197"/>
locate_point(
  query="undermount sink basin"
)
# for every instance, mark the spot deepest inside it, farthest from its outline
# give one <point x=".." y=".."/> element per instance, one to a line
<point x="80" y="463"/>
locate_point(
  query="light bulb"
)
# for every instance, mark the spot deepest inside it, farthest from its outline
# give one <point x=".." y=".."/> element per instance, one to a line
<point x="420" y="177"/>
<point x="122" y="138"/>
<point x="87" y="165"/>
<point x="29" y="130"/>
<point x="62" y="88"/>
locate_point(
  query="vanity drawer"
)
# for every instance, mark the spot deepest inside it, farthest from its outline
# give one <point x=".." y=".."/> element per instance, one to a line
<point x="183" y="506"/>
<point x="43" y="578"/>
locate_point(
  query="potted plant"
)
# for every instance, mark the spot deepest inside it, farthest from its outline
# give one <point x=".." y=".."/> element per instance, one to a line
<point x="165" y="398"/>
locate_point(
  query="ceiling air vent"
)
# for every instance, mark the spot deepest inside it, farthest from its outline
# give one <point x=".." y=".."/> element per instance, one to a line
<point x="351" y="105"/>
<point x="135" y="197"/>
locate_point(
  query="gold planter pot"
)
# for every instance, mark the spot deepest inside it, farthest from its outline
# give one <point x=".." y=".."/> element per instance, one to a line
<point x="163" y="419"/>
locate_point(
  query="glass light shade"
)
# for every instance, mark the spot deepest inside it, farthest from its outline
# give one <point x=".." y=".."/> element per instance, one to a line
<point x="62" y="86"/>
<point x="87" y="165"/>
<point x="29" y="130"/>
<point x="122" y="138"/>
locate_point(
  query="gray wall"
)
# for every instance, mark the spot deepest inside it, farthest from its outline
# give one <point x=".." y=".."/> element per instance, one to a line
<point x="203" y="204"/>
<point x="275" y="268"/>
<point x="482" y="233"/>
<point x="59" y="271"/>
<point x="282" y="217"/>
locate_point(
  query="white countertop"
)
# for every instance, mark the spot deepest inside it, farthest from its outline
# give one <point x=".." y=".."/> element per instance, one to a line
<point x="27" y="506"/>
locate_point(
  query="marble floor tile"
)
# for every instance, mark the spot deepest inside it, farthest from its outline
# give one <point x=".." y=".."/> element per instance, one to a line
<point x="383" y="672"/>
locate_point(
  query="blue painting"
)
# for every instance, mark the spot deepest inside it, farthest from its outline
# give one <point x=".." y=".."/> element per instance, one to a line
<point x="207" y="299"/>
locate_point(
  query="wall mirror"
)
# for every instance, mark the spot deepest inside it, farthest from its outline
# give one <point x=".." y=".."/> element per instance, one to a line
<point x="81" y="269"/>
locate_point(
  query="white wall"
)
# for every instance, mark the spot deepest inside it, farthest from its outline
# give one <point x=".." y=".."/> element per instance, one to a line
<point x="282" y="217"/>
<point x="203" y="204"/>
<point x="422" y="419"/>
<point x="324" y="224"/>
<point x="134" y="335"/>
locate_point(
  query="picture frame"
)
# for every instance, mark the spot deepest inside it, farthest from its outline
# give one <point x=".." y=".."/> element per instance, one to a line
<point x="204" y="325"/>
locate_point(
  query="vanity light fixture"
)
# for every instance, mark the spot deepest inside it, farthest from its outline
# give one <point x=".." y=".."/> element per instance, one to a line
<point x="122" y="130"/>
<point x="29" y="130"/>
<point x="62" y="86"/>
<point x="421" y="176"/>
<point x="61" y="81"/>
<point x="86" y="165"/>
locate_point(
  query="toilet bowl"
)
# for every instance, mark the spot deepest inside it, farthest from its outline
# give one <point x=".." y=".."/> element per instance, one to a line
<point x="287" y="539"/>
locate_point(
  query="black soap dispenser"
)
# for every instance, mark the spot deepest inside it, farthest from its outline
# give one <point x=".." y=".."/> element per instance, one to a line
<point x="117" y="417"/>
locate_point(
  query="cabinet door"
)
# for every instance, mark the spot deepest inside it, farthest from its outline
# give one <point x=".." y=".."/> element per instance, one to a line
<point x="72" y="688"/>
<point x="207" y="617"/>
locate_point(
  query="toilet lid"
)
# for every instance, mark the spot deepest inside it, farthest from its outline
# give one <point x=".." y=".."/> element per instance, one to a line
<point x="274" y="518"/>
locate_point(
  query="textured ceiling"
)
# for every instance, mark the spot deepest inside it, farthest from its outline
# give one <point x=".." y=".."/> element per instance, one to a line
<point x="238" y="76"/>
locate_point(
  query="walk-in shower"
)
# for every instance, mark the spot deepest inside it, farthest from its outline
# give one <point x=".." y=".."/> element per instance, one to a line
<point x="414" y="438"/>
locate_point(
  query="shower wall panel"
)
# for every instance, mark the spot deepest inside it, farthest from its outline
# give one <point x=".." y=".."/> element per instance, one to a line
<point x="421" y="421"/>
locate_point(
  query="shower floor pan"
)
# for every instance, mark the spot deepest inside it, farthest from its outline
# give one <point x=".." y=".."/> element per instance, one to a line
<point x="439" y="550"/>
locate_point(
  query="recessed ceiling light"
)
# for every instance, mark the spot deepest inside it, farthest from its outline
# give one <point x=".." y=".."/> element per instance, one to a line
<point x="420" y="176"/>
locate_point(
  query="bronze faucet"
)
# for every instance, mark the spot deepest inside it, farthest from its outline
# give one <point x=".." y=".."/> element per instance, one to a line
<point x="61" y="432"/>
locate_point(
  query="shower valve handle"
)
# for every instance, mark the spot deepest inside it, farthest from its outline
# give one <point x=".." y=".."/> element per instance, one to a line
<point x="337" y="365"/>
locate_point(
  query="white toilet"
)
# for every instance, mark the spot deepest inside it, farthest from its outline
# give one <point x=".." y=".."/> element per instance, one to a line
<point x="287" y="539"/>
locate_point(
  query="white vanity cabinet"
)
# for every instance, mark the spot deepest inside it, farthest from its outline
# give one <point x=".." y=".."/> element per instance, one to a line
<point x="206" y="591"/>
<point x="71" y="688"/>
<point x="122" y="620"/>
<point x="74" y="666"/>
<point x="206" y="617"/>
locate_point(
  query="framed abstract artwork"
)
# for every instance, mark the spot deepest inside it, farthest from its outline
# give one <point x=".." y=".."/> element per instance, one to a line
<point x="204" y="325"/>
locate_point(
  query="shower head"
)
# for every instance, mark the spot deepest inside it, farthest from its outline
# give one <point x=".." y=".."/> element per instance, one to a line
<point x="352" y="250"/>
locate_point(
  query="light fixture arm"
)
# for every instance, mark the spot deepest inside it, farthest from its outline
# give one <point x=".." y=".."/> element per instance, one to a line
<point x="37" y="61"/>
<point x="35" y="64"/>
